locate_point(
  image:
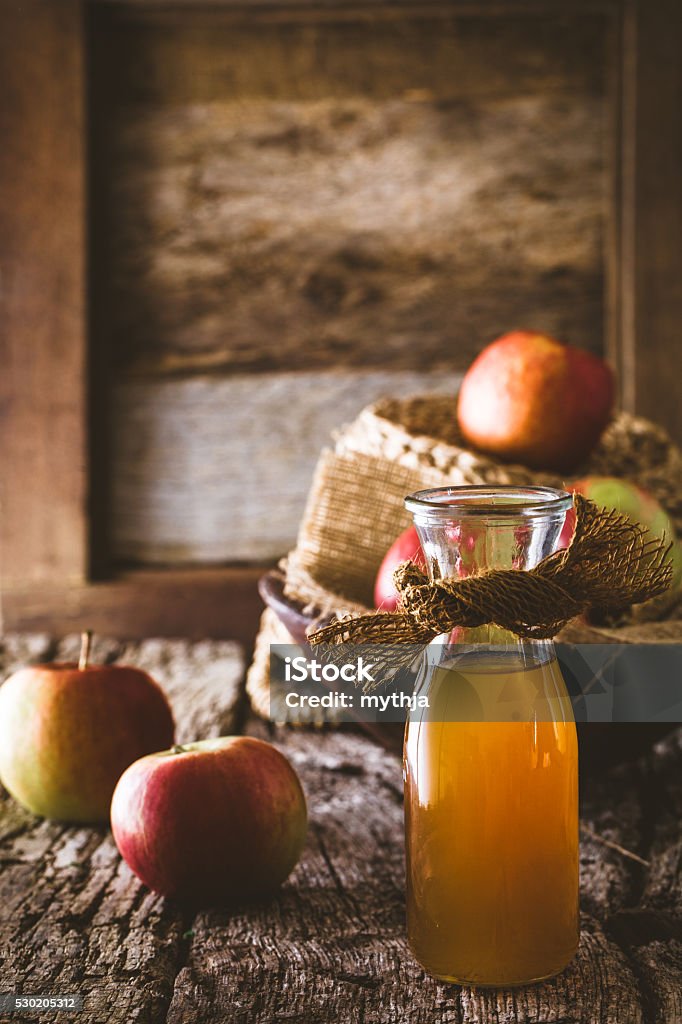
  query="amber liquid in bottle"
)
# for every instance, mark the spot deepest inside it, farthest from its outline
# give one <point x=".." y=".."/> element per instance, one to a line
<point x="491" y="811"/>
<point x="491" y="767"/>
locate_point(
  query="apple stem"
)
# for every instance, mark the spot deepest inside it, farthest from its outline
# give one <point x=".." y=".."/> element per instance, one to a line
<point x="177" y="749"/>
<point x="86" y="641"/>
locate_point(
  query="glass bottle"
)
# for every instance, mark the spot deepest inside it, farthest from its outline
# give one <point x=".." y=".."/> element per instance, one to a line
<point x="491" y="768"/>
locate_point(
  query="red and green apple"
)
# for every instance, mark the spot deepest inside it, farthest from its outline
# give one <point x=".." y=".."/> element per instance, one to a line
<point x="529" y="398"/>
<point x="216" y="821"/>
<point x="610" y="492"/>
<point x="68" y="731"/>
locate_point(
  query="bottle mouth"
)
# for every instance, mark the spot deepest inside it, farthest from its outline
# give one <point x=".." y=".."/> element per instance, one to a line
<point x="499" y="502"/>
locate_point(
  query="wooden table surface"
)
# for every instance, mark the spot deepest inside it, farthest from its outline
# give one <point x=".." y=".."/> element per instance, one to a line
<point x="332" y="946"/>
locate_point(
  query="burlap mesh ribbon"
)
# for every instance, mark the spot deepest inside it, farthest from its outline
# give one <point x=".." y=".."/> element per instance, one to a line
<point x="611" y="563"/>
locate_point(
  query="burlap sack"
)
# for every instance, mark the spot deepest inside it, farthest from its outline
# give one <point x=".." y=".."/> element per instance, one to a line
<point x="355" y="506"/>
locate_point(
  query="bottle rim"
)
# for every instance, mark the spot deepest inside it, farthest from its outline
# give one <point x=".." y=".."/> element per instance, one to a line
<point x="498" y="501"/>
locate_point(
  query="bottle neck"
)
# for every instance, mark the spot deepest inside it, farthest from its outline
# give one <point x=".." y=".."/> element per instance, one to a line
<point x="462" y="546"/>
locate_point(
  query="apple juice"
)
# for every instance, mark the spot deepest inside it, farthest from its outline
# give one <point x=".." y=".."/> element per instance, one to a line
<point x="491" y="764"/>
<point x="491" y="810"/>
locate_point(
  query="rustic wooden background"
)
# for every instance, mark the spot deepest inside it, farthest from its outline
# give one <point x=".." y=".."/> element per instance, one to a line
<point x="296" y="213"/>
<point x="602" y="168"/>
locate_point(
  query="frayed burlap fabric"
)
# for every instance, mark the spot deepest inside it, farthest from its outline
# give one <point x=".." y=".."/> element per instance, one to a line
<point x="355" y="506"/>
<point x="611" y="563"/>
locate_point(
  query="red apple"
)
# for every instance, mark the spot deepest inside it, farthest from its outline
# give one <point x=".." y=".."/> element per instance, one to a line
<point x="531" y="399"/>
<point x="210" y="822"/>
<point x="406" y="548"/>
<point x="68" y="732"/>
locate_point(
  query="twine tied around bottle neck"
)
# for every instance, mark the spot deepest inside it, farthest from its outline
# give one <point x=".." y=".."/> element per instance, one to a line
<point x="610" y="564"/>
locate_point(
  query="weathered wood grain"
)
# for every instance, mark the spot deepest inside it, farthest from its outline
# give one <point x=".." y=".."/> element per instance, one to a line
<point x="331" y="947"/>
<point x="217" y="469"/>
<point x="72" y="922"/>
<point x="220" y="602"/>
<point x="43" y="530"/>
<point x="353" y="963"/>
<point x="280" y="208"/>
<point x="651" y="237"/>
<point x="611" y="807"/>
<point x="72" y="918"/>
<point x="653" y="931"/>
<point x="365" y="193"/>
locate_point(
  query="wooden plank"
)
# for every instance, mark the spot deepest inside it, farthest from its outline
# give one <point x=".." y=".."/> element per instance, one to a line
<point x="219" y="603"/>
<point x="72" y="921"/>
<point x="150" y="8"/>
<point x="72" y="917"/>
<point x="611" y="808"/>
<point x="236" y="232"/>
<point x="547" y="53"/>
<point x="42" y="334"/>
<point x="652" y="211"/>
<point x="331" y="947"/>
<point x="649" y="926"/>
<point x="216" y="469"/>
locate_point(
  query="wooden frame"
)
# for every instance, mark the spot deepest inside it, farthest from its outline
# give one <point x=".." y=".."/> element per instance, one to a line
<point x="50" y="499"/>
